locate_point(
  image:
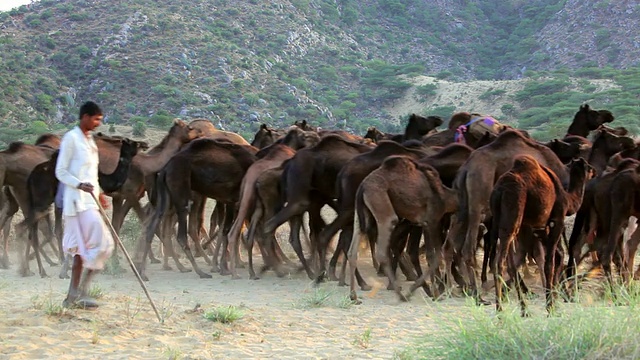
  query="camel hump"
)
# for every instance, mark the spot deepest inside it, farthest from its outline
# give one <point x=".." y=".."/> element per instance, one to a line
<point x="14" y="147"/>
<point x="331" y="140"/>
<point x="396" y="162"/>
<point x="525" y="162"/>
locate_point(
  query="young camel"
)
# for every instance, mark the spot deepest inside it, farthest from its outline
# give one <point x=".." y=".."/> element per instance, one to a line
<point x="401" y="188"/>
<point x="529" y="205"/>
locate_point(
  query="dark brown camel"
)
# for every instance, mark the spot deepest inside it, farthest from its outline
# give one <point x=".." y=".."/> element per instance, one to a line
<point x="348" y="180"/>
<point x="208" y="167"/>
<point x="446" y="137"/>
<point x="605" y="145"/>
<point x="587" y="120"/>
<point x="614" y="209"/>
<point x="42" y="186"/>
<point x="593" y="216"/>
<point x="270" y="157"/>
<point x="417" y="127"/>
<point x="313" y="170"/>
<point x="474" y="183"/>
<point x="401" y="188"/>
<point x="528" y="205"/>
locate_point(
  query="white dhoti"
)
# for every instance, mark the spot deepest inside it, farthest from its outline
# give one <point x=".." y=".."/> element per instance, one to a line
<point x="87" y="235"/>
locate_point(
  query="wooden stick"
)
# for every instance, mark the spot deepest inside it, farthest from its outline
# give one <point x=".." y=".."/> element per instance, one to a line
<point x="126" y="254"/>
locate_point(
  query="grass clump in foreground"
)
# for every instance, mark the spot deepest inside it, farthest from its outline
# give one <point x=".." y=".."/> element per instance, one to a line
<point x="575" y="331"/>
<point x="223" y="314"/>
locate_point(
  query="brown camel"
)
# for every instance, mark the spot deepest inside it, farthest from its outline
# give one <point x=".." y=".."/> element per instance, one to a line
<point x="313" y="170"/>
<point x="417" y="127"/>
<point x="18" y="161"/>
<point x="613" y="212"/>
<point x="474" y="182"/>
<point x="143" y="166"/>
<point x="348" y="180"/>
<point x="42" y="186"/>
<point x="266" y="136"/>
<point x="270" y="157"/>
<point x="594" y="217"/>
<point x="401" y="188"/>
<point x="208" y="130"/>
<point x="446" y="137"/>
<point x="605" y="145"/>
<point x="208" y="167"/>
<point x="529" y="205"/>
<point x="587" y="120"/>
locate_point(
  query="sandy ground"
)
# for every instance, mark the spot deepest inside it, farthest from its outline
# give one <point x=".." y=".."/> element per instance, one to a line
<point x="279" y="319"/>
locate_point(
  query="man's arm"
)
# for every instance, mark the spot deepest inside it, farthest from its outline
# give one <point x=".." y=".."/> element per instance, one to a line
<point x="63" y="163"/>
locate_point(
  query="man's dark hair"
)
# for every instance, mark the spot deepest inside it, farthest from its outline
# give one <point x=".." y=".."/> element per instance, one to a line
<point x="90" y="108"/>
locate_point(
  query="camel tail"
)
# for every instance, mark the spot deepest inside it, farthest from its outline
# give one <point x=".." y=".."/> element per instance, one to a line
<point x="160" y="194"/>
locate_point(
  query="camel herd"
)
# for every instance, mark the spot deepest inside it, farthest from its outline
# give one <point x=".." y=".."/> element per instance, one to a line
<point x="442" y="193"/>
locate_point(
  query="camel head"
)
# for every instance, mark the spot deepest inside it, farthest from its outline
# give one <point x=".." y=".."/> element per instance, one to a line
<point x="580" y="168"/>
<point x="564" y="150"/>
<point x="374" y="134"/>
<point x="265" y="136"/>
<point x="424" y="124"/>
<point x="185" y="132"/>
<point x="297" y="138"/>
<point x="612" y="142"/>
<point x="304" y="125"/>
<point x="592" y="118"/>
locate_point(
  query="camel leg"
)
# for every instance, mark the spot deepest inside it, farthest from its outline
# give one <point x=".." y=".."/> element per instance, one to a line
<point x="296" y="224"/>
<point x="6" y="231"/>
<point x="632" y="248"/>
<point x="352" y="256"/>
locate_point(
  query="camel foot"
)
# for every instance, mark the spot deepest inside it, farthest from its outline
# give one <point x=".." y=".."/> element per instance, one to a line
<point x="4" y="262"/>
<point x="366" y="287"/>
<point x="154" y="261"/>
<point x="63" y="276"/>
<point x="381" y="273"/>
<point x="235" y="277"/>
<point x="24" y="272"/>
<point x="342" y="283"/>
<point x="331" y="273"/>
<point x="224" y="271"/>
<point x="43" y="274"/>
<point x="320" y="278"/>
<point x="204" y="275"/>
<point x="167" y="267"/>
<point x="185" y="270"/>
<point x="254" y="277"/>
<point x="144" y="277"/>
<point x="481" y="301"/>
<point x="354" y="297"/>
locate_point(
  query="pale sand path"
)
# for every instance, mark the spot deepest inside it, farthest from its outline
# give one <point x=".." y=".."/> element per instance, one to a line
<point x="276" y="323"/>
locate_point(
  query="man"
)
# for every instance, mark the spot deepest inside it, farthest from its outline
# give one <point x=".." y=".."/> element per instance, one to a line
<point x="86" y="237"/>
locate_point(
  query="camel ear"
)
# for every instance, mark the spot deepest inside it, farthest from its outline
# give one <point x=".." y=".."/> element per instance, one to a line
<point x="263" y="126"/>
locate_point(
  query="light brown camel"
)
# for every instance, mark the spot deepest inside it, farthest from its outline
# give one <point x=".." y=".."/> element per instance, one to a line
<point x="529" y="205"/>
<point x="474" y="183"/>
<point x="401" y="188"/>
<point x="143" y="166"/>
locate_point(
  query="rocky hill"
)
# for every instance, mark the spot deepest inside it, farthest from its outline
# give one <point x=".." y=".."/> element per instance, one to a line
<point x="338" y="63"/>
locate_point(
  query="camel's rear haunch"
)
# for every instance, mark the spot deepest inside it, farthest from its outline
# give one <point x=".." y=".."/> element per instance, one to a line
<point x="529" y="204"/>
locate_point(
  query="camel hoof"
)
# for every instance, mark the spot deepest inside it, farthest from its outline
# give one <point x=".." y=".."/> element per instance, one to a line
<point x="167" y="268"/>
<point x="204" y="275"/>
<point x="154" y="261"/>
<point x="342" y="283"/>
<point x="402" y="297"/>
<point x="26" y="273"/>
<point x="320" y="278"/>
<point x="365" y="287"/>
<point x="43" y="275"/>
<point x="254" y="277"/>
<point x="144" y="277"/>
<point x="332" y="276"/>
<point x="354" y="297"/>
<point x="225" y="272"/>
<point x="235" y="277"/>
<point x="63" y="276"/>
<point x="481" y="301"/>
<point x="185" y="270"/>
